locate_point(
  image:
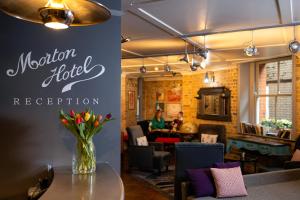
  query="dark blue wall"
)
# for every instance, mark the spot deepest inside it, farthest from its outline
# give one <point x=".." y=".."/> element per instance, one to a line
<point x="31" y="136"/>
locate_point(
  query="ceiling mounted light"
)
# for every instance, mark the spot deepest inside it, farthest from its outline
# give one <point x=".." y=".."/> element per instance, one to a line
<point x="167" y="66"/>
<point x="294" y="45"/>
<point x="57" y="14"/>
<point x="186" y="55"/>
<point x="251" y="50"/>
<point x="195" y="61"/>
<point x="143" y="69"/>
<point x="204" y="53"/>
<point x="193" y="68"/>
<point x="124" y="39"/>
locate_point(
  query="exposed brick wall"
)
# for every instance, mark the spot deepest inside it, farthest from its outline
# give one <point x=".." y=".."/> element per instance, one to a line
<point x="150" y="88"/>
<point x="192" y="83"/>
<point x="128" y="116"/>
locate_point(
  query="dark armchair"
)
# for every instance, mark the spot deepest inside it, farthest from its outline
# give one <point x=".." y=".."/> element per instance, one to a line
<point x="215" y="129"/>
<point x="150" y="157"/>
<point x="193" y="156"/>
<point x="293" y="164"/>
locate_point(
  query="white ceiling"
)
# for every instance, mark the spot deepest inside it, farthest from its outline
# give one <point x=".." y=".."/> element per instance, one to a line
<point x="158" y="27"/>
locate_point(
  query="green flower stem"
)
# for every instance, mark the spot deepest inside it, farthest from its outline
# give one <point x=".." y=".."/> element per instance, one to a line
<point x="85" y="157"/>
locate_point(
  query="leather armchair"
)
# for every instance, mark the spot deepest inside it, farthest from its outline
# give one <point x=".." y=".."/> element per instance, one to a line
<point x="193" y="156"/>
<point x="150" y="157"/>
<point x="215" y="129"/>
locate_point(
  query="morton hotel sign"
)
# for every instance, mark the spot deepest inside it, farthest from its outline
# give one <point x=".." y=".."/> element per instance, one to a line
<point x="67" y="76"/>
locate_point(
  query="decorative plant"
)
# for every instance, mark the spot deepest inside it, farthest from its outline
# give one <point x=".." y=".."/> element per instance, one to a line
<point x="84" y="126"/>
<point x="277" y="124"/>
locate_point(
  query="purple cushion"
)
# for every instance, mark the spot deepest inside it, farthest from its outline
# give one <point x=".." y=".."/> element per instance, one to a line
<point x="227" y="165"/>
<point x="202" y="182"/>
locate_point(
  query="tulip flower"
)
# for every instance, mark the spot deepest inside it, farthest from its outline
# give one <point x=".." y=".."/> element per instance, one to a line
<point x="96" y="123"/>
<point x="78" y="115"/>
<point x="87" y="116"/>
<point x="99" y="117"/>
<point x="108" y="116"/>
<point x="94" y="117"/>
<point x="78" y="120"/>
<point x="72" y="113"/>
<point x="64" y="121"/>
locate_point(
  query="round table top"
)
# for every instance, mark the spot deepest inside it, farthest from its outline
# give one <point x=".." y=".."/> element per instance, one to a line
<point x="104" y="184"/>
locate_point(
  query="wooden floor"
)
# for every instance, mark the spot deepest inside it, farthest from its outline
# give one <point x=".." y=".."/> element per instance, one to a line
<point x="137" y="189"/>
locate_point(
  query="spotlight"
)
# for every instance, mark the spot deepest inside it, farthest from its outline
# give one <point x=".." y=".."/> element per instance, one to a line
<point x="185" y="58"/>
<point x="186" y="55"/>
<point x="251" y="50"/>
<point x="203" y="64"/>
<point x="294" y="46"/>
<point x="124" y="39"/>
<point x="143" y="69"/>
<point x="193" y="67"/>
<point x="167" y="68"/>
<point x="203" y="53"/>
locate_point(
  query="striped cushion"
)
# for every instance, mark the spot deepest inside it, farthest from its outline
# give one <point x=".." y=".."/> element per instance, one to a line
<point x="229" y="182"/>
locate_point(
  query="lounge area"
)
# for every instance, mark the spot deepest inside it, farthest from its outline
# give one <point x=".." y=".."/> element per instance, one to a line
<point x="150" y="99"/>
<point x="210" y="110"/>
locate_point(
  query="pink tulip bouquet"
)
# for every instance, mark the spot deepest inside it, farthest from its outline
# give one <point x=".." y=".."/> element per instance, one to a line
<point x="84" y="126"/>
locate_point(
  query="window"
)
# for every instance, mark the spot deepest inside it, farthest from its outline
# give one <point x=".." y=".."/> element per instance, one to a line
<point x="274" y="91"/>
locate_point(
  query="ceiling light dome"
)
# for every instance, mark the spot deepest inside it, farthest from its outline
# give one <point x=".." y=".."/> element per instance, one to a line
<point x="58" y="14"/>
<point x="56" y="18"/>
<point x="251" y="50"/>
<point x="294" y="46"/>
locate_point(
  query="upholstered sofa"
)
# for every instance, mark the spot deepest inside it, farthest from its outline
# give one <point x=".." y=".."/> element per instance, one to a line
<point x="277" y="185"/>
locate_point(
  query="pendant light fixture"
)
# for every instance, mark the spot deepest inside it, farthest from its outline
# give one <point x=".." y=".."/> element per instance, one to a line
<point x="251" y="50"/>
<point x="57" y="14"/>
<point x="206" y="78"/>
<point x="294" y="45"/>
<point x="143" y="69"/>
<point x="186" y="55"/>
<point x="211" y="79"/>
<point x="167" y="66"/>
<point x="194" y="66"/>
<point x="204" y="54"/>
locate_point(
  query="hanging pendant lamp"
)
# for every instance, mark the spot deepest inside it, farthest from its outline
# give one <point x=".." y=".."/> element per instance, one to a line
<point x="251" y="50"/>
<point x="294" y="45"/>
<point x="57" y="14"/>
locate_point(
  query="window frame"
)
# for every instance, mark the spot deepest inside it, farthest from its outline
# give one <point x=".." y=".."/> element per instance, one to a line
<point x="277" y="94"/>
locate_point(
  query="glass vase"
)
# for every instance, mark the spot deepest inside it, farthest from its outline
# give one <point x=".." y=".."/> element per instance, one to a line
<point x="84" y="157"/>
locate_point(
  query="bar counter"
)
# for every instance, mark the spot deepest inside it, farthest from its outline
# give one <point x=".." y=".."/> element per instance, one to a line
<point x="105" y="184"/>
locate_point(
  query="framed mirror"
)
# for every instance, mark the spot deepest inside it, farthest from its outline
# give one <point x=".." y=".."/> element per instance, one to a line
<point x="214" y="104"/>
